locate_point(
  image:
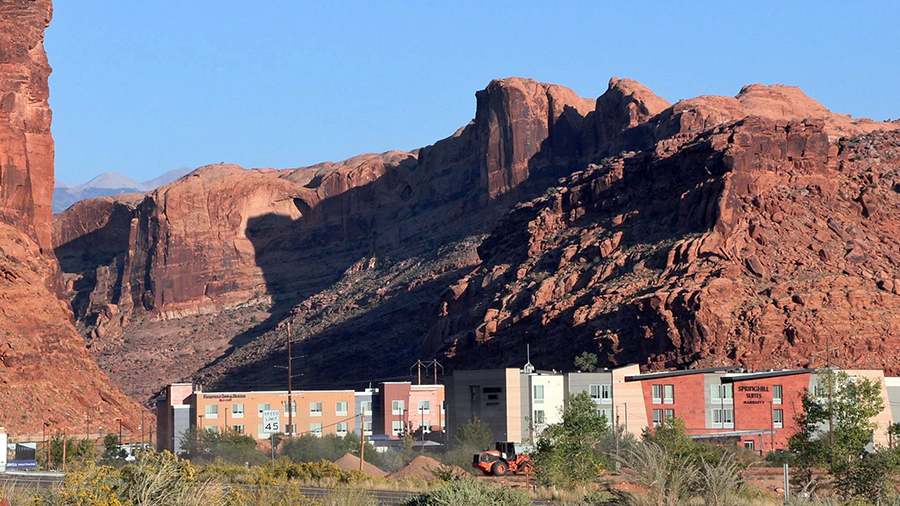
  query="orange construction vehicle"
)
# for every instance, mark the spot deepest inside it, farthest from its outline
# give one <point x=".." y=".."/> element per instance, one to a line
<point x="502" y="459"/>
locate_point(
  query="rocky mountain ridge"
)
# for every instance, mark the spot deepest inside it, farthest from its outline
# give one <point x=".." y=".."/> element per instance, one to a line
<point x="46" y="374"/>
<point x="357" y="252"/>
<point x="108" y="184"/>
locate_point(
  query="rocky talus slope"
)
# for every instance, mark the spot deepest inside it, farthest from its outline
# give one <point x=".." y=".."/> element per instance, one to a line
<point x="385" y="258"/>
<point x="46" y="374"/>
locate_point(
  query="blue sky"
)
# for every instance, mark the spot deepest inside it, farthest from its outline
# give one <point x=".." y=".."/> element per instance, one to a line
<point x="142" y="87"/>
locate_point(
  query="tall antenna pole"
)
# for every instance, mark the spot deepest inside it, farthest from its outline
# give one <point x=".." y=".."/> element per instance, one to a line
<point x="290" y="407"/>
<point x="419" y="370"/>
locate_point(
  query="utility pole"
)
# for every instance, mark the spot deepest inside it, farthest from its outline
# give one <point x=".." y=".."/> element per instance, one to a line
<point x="49" y="459"/>
<point x="616" y="429"/>
<point x="422" y="425"/>
<point x="362" y="438"/>
<point x="435" y="364"/>
<point x="418" y="367"/>
<point x="290" y="374"/>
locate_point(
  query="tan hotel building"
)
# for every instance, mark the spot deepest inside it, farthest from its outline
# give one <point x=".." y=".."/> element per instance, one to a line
<point x="314" y="412"/>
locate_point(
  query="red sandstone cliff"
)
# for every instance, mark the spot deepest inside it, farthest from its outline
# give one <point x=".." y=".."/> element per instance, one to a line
<point x="653" y="248"/>
<point x="224" y="237"/>
<point x="46" y="374"/>
<point x="742" y="231"/>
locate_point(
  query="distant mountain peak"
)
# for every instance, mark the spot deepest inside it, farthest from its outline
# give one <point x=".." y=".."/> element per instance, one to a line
<point x="108" y="184"/>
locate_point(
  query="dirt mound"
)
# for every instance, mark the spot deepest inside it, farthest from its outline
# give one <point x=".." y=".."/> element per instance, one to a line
<point x="350" y="462"/>
<point x="422" y="467"/>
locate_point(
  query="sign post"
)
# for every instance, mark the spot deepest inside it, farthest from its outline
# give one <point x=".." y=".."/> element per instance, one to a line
<point x="272" y="425"/>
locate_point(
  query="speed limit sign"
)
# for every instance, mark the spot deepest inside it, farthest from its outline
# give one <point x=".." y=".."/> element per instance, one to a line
<point x="271" y="421"/>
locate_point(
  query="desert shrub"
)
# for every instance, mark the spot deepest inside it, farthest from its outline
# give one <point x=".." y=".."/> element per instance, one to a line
<point x="471" y="491"/>
<point x="669" y="479"/>
<point x="281" y="495"/>
<point x="347" y="496"/>
<point x="720" y="482"/>
<point x="18" y="494"/>
<point x="151" y="479"/>
<point x="285" y="469"/>
<point x="778" y="458"/>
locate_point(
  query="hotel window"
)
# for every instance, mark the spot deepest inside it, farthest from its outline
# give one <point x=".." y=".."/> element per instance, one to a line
<point x="212" y="411"/>
<point x="238" y="429"/>
<point x="539" y="393"/>
<point x="315" y="429"/>
<point x="263" y="407"/>
<point x="397" y="407"/>
<point x="425" y="425"/>
<point x="776" y="394"/>
<point x="668" y="394"/>
<point x="367" y="428"/>
<point x="237" y="411"/>
<point x="341" y="428"/>
<point x="284" y="406"/>
<point x="595" y="392"/>
<point x="818" y="390"/>
<point x="723" y="394"/>
<point x="723" y="418"/>
<point x="366" y="407"/>
<point x="340" y="408"/>
<point x="315" y="409"/>
<point x="605" y="394"/>
<point x="290" y="429"/>
<point x="748" y="444"/>
<point x="213" y="428"/>
<point x="396" y="428"/>
<point x="778" y="418"/>
<point x="657" y="417"/>
<point x="424" y="407"/>
<point x="539" y="417"/>
<point x="657" y="393"/>
<point x="670" y="414"/>
<point x="606" y="413"/>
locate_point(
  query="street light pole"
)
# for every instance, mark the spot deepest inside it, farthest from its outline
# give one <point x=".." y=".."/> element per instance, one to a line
<point x="290" y="374"/>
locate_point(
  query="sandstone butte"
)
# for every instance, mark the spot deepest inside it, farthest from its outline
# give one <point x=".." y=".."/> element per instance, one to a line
<point x="742" y="229"/>
<point x="46" y="373"/>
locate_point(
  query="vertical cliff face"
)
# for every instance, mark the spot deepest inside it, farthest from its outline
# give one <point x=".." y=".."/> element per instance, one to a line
<point x="271" y="229"/>
<point x="26" y="167"/>
<point x="521" y="126"/>
<point x="46" y="374"/>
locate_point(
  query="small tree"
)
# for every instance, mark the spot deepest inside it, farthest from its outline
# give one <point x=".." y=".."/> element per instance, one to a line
<point x="586" y="362"/>
<point x="112" y="452"/>
<point x="474" y="435"/>
<point x="568" y="453"/>
<point x="848" y="406"/>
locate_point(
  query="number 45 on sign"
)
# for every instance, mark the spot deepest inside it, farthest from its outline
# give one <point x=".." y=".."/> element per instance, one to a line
<point x="271" y="421"/>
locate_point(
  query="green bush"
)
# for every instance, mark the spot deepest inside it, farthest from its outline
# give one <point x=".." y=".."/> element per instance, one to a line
<point x="206" y="446"/>
<point x="471" y="491"/>
<point x="310" y="448"/>
<point x="78" y="452"/>
<point x="778" y="458"/>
